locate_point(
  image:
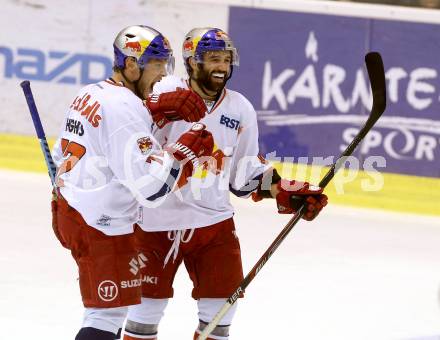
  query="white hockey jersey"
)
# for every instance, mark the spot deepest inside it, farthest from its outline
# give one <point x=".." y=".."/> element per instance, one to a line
<point x="235" y="167"/>
<point x="108" y="161"/>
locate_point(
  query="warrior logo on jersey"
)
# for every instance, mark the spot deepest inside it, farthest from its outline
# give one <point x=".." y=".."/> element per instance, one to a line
<point x="107" y="290"/>
<point x="145" y="144"/>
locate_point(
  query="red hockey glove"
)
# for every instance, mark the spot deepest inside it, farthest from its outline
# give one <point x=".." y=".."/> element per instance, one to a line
<point x="195" y="143"/>
<point x="294" y="193"/>
<point x="177" y="105"/>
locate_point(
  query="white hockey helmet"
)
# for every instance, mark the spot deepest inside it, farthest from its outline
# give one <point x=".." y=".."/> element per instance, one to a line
<point x="142" y="43"/>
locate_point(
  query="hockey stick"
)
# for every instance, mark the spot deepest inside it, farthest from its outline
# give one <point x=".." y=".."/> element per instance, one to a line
<point x="376" y="75"/>
<point x="26" y="86"/>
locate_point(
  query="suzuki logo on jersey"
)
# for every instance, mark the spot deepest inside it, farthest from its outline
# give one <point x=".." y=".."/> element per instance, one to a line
<point x="107" y="290"/>
<point x="68" y="67"/>
<point x="74" y="126"/>
<point x="138" y="282"/>
<point x="229" y="122"/>
<point x="136" y="264"/>
<point x="152" y="280"/>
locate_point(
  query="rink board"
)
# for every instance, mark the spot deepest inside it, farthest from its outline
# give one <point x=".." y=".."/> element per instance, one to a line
<point x="305" y="75"/>
<point x="399" y="192"/>
<point x="301" y="66"/>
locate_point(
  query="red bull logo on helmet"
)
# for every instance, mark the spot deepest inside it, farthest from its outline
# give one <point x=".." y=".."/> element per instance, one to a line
<point x="166" y="43"/>
<point x="220" y="35"/>
<point x="134" y="46"/>
<point x="188" y="45"/>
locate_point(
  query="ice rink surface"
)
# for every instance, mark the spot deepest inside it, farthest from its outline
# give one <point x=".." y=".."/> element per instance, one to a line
<point x="351" y="274"/>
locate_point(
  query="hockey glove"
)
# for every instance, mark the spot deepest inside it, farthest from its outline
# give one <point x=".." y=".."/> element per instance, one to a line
<point x="294" y="193"/>
<point x="195" y="143"/>
<point x="177" y="105"/>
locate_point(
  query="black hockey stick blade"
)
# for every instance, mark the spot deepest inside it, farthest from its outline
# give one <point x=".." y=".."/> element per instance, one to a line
<point x="376" y="74"/>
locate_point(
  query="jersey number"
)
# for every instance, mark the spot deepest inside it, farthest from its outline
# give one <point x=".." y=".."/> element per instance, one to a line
<point x="72" y="152"/>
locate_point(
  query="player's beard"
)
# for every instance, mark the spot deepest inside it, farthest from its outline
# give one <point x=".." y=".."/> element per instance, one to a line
<point x="205" y="81"/>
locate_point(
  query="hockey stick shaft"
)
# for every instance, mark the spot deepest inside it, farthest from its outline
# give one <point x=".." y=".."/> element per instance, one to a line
<point x="376" y="75"/>
<point x="26" y="86"/>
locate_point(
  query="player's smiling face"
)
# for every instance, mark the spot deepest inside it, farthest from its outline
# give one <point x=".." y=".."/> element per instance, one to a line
<point x="214" y="71"/>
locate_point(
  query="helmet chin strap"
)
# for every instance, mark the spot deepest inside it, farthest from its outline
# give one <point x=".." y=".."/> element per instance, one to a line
<point x="230" y="74"/>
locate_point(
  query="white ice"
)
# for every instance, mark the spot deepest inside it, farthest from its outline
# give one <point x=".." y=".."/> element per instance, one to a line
<point x="351" y="274"/>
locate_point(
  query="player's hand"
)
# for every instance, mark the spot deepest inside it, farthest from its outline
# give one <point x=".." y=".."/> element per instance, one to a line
<point x="292" y="194"/>
<point x="177" y="105"/>
<point x="193" y="144"/>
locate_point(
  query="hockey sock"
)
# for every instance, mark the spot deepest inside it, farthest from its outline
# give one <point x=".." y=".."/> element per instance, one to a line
<point x="137" y="331"/>
<point x="219" y="333"/>
<point x="196" y="336"/>
<point x="89" y="333"/>
<point x="137" y="337"/>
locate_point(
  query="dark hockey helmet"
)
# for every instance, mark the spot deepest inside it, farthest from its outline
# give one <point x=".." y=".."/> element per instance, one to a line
<point x="201" y="40"/>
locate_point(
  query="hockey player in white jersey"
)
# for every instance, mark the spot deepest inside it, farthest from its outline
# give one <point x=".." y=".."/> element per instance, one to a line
<point x="108" y="164"/>
<point x="195" y="224"/>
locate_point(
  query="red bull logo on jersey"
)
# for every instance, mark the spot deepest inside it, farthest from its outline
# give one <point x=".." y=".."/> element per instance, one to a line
<point x="145" y="144"/>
